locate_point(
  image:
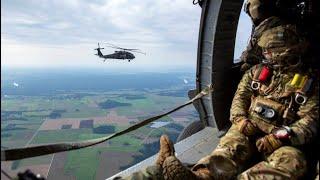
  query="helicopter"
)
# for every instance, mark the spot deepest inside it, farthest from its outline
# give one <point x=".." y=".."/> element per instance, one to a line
<point x="124" y="53"/>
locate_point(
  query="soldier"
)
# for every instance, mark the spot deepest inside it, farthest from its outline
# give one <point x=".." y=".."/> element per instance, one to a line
<point x="259" y="11"/>
<point x="266" y="14"/>
<point x="274" y="112"/>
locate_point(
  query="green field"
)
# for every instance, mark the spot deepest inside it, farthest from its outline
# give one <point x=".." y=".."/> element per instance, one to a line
<point x="83" y="163"/>
<point x="63" y="135"/>
<point x="21" y="117"/>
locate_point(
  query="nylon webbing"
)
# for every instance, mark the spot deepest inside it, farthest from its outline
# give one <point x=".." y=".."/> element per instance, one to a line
<point x="27" y="152"/>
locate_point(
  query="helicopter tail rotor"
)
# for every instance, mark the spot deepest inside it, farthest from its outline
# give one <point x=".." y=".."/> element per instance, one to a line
<point x="98" y="47"/>
<point x="99" y="53"/>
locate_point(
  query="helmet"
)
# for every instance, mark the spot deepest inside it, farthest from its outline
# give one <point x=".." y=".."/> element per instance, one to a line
<point x="282" y="46"/>
<point x="259" y="10"/>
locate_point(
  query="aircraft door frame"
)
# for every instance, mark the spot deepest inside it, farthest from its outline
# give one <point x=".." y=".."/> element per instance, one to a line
<point x="217" y="36"/>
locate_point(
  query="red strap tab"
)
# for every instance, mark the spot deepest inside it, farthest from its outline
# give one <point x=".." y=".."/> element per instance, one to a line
<point x="264" y="74"/>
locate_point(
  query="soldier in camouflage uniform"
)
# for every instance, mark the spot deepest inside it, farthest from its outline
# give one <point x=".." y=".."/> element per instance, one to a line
<point x="274" y="112"/>
<point x="266" y="14"/>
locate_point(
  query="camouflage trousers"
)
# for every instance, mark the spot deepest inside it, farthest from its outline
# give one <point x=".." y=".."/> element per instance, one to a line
<point x="150" y="173"/>
<point x="284" y="163"/>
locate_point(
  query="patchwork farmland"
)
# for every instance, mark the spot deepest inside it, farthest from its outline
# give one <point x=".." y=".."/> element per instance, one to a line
<point x="43" y="119"/>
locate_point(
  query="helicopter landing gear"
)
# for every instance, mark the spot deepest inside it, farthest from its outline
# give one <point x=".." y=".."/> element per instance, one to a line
<point x="128" y="60"/>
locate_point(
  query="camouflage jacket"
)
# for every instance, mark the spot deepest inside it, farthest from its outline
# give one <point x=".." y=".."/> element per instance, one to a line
<point x="278" y="93"/>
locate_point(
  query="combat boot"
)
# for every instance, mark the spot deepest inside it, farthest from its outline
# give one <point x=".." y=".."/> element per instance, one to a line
<point x="166" y="150"/>
<point x="174" y="170"/>
<point x="207" y="168"/>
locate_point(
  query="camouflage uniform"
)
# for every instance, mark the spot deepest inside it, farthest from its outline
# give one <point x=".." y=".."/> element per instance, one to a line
<point x="150" y="173"/>
<point x="259" y="113"/>
<point x="285" y="162"/>
<point x="236" y="150"/>
<point x="265" y="103"/>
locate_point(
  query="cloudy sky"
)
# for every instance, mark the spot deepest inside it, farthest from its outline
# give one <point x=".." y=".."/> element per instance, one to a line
<point x="55" y="33"/>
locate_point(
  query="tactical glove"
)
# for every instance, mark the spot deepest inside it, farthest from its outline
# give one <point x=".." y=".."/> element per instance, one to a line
<point x="268" y="143"/>
<point x="246" y="127"/>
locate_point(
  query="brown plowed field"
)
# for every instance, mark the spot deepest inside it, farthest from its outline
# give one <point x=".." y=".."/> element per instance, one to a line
<point x="112" y="118"/>
<point x="41" y="169"/>
<point x="57" y="168"/>
<point x="111" y="161"/>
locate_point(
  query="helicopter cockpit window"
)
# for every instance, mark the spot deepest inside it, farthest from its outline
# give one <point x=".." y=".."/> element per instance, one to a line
<point x="78" y="70"/>
<point x="243" y="35"/>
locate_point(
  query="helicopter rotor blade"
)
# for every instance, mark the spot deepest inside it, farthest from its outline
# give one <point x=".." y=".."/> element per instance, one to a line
<point x="117" y="47"/>
<point x="113" y="46"/>
<point x="125" y="49"/>
<point x="138" y="51"/>
<point x="131" y="49"/>
<point x="141" y="52"/>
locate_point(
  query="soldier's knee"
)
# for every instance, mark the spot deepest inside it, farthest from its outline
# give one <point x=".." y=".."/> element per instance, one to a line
<point x="234" y="145"/>
<point x="289" y="159"/>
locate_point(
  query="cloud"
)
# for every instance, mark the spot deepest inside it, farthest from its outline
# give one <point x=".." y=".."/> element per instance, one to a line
<point x="55" y="33"/>
<point x="15" y="84"/>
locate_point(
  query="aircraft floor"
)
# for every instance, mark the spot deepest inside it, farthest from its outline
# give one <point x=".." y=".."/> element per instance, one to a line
<point x="189" y="150"/>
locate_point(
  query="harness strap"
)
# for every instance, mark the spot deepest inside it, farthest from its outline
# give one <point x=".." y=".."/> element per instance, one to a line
<point x="27" y="152"/>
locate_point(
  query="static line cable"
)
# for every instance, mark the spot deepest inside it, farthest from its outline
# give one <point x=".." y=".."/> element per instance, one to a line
<point x="6" y="174"/>
<point x="33" y="151"/>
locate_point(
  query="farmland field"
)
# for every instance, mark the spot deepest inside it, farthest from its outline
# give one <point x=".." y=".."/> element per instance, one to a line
<point x="70" y="111"/>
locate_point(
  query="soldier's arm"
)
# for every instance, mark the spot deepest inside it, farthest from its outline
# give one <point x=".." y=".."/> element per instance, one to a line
<point x="306" y="128"/>
<point x="242" y="98"/>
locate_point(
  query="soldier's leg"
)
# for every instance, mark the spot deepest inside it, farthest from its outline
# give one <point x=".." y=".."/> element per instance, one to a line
<point x="229" y="157"/>
<point x="154" y="172"/>
<point x="284" y="163"/>
<point x="234" y="146"/>
<point x="150" y="173"/>
<point x="223" y="163"/>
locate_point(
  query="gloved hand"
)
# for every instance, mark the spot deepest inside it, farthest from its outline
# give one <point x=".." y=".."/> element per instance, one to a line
<point x="268" y="143"/>
<point x="246" y="127"/>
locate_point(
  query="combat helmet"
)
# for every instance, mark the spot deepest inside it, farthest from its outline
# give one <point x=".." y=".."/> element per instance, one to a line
<point x="259" y="10"/>
<point x="283" y="46"/>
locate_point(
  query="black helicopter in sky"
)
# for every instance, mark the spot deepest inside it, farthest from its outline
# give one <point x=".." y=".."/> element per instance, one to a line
<point x="123" y="54"/>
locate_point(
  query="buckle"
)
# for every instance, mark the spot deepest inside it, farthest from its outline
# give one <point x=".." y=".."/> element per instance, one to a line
<point x="255" y="85"/>
<point x="300" y="99"/>
<point x="265" y="112"/>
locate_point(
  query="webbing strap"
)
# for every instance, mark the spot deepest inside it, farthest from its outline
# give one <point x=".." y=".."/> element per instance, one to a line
<point x="27" y="152"/>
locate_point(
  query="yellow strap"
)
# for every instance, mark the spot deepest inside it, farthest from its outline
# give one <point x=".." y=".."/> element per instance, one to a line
<point x="298" y="81"/>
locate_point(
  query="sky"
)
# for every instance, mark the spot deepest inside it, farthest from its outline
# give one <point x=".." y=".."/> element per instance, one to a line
<point x="64" y="33"/>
